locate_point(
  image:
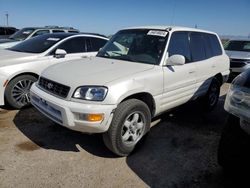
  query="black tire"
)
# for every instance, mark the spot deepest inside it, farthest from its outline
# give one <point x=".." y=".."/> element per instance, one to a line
<point x="18" y="99"/>
<point x="211" y="98"/>
<point x="234" y="147"/>
<point x="127" y="111"/>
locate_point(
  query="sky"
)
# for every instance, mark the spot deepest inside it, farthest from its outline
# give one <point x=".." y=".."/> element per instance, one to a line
<point x="225" y="17"/>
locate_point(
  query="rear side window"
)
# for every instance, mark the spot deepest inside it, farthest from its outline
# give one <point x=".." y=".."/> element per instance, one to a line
<point x="97" y="43"/>
<point x="40" y="32"/>
<point x="73" y="45"/>
<point x="215" y="45"/>
<point x="179" y="44"/>
<point x="2" y="31"/>
<point x="94" y="44"/>
<point x="197" y="46"/>
<point x="58" y="31"/>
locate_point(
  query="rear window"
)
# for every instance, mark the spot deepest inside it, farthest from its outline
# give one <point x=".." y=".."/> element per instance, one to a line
<point x="215" y="45"/>
<point x="197" y="46"/>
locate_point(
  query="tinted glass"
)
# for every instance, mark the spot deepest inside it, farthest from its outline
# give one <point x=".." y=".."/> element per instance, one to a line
<point x="37" y="44"/>
<point x="208" y="46"/>
<point x="2" y="31"/>
<point x="22" y="34"/>
<point x="136" y="45"/>
<point x="97" y="43"/>
<point x="58" y="31"/>
<point x="179" y="44"/>
<point x="197" y="47"/>
<point x="243" y="46"/>
<point x="73" y="45"/>
<point x="215" y="45"/>
<point x="40" y="32"/>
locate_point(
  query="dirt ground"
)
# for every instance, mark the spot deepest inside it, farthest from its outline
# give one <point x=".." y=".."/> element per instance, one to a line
<point x="180" y="151"/>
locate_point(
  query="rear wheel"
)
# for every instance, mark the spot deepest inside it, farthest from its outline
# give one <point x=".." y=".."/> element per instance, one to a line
<point x="17" y="93"/>
<point x="211" y="98"/>
<point x="130" y="123"/>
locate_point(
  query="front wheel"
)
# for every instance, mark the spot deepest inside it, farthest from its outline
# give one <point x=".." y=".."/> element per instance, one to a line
<point x="130" y="122"/>
<point x="17" y="92"/>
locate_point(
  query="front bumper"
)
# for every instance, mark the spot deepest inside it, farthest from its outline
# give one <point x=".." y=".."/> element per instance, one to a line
<point x="2" y="88"/>
<point x="240" y="69"/>
<point x="67" y="113"/>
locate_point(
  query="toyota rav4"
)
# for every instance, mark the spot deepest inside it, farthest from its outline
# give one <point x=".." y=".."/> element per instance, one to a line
<point x="140" y="73"/>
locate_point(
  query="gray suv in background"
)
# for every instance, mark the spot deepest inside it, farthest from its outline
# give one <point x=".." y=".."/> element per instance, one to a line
<point x="239" y="54"/>
<point x="29" y="32"/>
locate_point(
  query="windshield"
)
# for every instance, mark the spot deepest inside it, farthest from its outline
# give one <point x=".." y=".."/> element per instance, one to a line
<point x="22" y="34"/>
<point x="137" y="45"/>
<point x="38" y="44"/>
<point x="243" y="46"/>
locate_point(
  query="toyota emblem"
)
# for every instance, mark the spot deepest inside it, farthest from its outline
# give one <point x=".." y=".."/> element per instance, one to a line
<point x="50" y="85"/>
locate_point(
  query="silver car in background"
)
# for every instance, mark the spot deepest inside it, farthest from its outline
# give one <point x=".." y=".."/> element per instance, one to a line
<point x="239" y="54"/>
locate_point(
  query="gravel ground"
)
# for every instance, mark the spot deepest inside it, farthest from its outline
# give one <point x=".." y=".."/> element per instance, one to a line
<point x="180" y="151"/>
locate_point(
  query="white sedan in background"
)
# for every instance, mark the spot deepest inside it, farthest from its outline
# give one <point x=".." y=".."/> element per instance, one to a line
<point x="21" y="65"/>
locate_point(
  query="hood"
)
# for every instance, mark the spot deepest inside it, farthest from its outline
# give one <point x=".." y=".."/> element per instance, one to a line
<point x="8" y="57"/>
<point x="238" y="54"/>
<point x="9" y="44"/>
<point x="6" y="40"/>
<point x="92" y="71"/>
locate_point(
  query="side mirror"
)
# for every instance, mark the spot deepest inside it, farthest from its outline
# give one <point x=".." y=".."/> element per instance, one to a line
<point x="176" y="60"/>
<point x="60" y="53"/>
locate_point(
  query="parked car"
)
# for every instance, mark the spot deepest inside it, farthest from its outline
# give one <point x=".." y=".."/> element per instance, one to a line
<point x="20" y="65"/>
<point x="5" y="31"/>
<point x="139" y="74"/>
<point x="29" y="32"/>
<point x="233" y="151"/>
<point x="239" y="54"/>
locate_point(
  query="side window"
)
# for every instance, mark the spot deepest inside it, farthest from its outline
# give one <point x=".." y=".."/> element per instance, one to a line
<point x="73" y="45"/>
<point x="215" y="45"/>
<point x="97" y="43"/>
<point x="2" y="32"/>
<point x="208" y="47"/>
<point x="58" y="31"/>
<point x="179" y="44"/>
<point x="197" y="46"/>
<point x="40" y="32"/>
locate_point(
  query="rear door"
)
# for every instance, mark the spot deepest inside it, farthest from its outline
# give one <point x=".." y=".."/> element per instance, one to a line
<point x="179" y="81"/>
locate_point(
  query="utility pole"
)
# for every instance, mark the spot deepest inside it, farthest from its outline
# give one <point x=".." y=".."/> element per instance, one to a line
<point x="7" y="18"/>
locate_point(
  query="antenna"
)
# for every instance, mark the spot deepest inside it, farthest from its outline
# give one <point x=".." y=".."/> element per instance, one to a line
<point x="7" y="18"/>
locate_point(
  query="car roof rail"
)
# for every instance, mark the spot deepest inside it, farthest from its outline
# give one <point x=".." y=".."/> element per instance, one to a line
<point x="97" y="34"/>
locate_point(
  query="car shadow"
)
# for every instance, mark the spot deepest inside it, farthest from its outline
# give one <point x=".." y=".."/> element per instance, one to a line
<point x="181" y="151"/>
<point x="49" y="135"/>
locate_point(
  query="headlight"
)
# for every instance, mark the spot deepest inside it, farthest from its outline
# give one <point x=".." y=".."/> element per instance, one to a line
<point x="91" y="93"/>
<point x="238" y="97"/>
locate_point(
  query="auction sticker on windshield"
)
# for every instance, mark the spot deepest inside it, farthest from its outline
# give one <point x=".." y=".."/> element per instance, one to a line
<point x="158" y="33"/>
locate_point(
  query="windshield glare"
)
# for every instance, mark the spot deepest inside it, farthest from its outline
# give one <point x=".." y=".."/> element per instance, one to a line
<point x="22" y="34"/>
<point x="138" y="45"/>
<point x="243" y="46"/>
<point x="37" y="44"/>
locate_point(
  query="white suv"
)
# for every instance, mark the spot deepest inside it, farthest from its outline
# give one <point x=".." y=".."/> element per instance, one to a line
<point x="140" y="73"/>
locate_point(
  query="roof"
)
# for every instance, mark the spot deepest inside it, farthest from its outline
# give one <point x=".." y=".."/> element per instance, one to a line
<point x="64" y="35"/>
<point x="51" y="27"/>
<point x="172" y="28"/>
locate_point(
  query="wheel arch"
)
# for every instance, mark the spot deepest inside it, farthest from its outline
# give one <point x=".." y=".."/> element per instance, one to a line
<point x="147" y="98"/>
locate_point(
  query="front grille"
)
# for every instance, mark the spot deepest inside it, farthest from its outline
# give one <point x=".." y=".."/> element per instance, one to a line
<point x="237" y="63"/>
<point x="54" y="87"/>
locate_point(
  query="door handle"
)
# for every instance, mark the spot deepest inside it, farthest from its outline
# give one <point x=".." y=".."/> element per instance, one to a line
<point x="213" y="66"/>
<point x="191" y="72"/>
